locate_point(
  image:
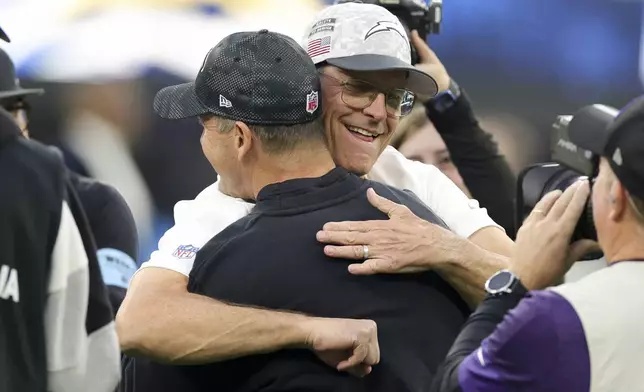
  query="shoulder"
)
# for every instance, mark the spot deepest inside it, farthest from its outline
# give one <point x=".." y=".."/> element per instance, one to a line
<point x="196" y="222"/>
<point x="541" y="325"/>
<point x="207" y="215"/>
<point x="534" y="346"/>
<point x="533" y="320"/>
<point x="239" y="232"/>
<point x="462" y="215"/>
<point x="211" y="207"/>
<point x="230" y="244"/>
<point x="99" y="196"/>
<point x="29" y="157"/>
<point x="36" y="173"/>
<point x="392" y="168"/>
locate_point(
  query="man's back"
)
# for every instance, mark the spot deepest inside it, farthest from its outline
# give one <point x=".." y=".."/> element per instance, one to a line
<point x="612" y="315"/>
<point x="271" y="259"/>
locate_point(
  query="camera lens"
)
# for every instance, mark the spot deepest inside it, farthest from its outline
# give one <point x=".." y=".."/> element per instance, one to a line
<point x="536" y="181"/>
<point x="561" y="180"/>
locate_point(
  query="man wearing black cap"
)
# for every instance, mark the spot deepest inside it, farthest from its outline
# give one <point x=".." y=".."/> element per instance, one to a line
<point x="582" y="336"/>
<point x="109" y="216"/>
<point x="56" y="323"/>
<point x="257" y="97"/>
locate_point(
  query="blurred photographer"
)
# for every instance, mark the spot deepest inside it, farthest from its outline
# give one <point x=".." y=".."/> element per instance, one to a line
<point x="56" y="323"/>
<point x="576" y="336"/>
<point x="110" y="219"/>
<point x="417" y="139"/>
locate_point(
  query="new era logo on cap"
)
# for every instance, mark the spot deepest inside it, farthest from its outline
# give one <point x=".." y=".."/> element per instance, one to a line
<point x="224" y="102"/>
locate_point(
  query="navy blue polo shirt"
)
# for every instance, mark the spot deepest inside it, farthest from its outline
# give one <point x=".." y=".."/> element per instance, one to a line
<point x="271" y="259"/>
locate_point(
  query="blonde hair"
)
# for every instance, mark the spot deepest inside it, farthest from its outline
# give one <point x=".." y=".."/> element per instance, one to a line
<point x="409" y="126"/>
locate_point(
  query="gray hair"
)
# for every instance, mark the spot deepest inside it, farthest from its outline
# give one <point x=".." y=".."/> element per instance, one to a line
<point x="277" y="139"/>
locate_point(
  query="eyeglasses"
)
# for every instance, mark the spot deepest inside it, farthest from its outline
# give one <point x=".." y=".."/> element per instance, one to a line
<point x="359" y="94"/>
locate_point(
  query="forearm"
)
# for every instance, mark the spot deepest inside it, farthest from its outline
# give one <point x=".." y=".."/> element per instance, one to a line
<point x="479" y="326"/>
<point x="184" y="328"/>
<point x="468" y="269"/>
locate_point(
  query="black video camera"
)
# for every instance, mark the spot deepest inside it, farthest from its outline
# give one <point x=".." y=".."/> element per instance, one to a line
<point x="425" y="16"/>
<point x="571" y="163"/>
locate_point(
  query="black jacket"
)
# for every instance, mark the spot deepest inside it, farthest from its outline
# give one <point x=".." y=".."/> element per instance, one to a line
<point x="52" y="297"/>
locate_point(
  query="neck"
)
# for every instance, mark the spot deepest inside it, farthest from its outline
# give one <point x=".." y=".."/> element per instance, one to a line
<point x="628" y="245"/>
<point x="305" y="163"/>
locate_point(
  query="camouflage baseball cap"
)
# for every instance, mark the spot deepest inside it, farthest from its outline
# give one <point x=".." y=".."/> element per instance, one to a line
<point x="364" y="37"/>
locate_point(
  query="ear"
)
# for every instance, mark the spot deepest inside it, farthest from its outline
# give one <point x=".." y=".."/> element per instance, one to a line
<point x="243" y="140"/>
<point x="618" y="201"/>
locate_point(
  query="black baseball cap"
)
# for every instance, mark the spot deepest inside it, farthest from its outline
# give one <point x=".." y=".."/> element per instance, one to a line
<point x="622" y="143"/>
<point x="9" y="84"/>
<point x="259" y="77"/>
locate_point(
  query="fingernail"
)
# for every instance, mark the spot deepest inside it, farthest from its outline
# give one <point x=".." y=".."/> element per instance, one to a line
<point x="328" y="250"/>
<point x="320" y="236"/>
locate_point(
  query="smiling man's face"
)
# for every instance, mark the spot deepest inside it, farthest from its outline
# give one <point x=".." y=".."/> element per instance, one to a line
<point x="357" y="136"/>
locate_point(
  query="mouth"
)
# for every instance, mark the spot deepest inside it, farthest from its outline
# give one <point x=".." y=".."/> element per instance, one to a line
<point x="362" y="133"/>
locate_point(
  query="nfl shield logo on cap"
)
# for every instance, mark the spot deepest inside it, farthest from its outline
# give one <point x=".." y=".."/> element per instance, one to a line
<point x="312" y="101"/>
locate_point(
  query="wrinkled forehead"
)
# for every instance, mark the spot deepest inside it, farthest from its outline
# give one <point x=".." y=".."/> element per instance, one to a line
<point x="381" y="79"/>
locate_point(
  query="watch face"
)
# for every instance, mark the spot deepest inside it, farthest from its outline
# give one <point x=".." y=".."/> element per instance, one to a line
<point x="500" y="281"/>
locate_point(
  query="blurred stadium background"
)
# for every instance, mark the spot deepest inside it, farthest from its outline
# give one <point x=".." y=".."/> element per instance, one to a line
<point x="101" y="62"/>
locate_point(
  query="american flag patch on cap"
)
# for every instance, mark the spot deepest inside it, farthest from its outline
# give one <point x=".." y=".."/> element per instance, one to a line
<point x="319" y="46"/>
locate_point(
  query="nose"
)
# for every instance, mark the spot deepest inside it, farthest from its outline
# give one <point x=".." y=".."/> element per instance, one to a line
<point x="377" y="110"/>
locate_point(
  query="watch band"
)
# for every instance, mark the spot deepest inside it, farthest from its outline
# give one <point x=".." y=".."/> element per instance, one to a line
<point x="446" y="99"/>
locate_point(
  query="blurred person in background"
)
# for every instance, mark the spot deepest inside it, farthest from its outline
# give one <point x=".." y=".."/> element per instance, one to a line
<point x="56" y="323"/>
<point x="576" y="337"/>
<point x="109" y="216"/>
<point x="102" y="121"/>
<point x="417" y="139"/>
<point x="450" y="135"/>
<point x="360" y="115"/>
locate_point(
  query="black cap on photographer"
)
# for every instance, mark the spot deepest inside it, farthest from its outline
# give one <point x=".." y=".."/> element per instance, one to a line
<point x="262" y="78"/>
<point x="622" y="143"/>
